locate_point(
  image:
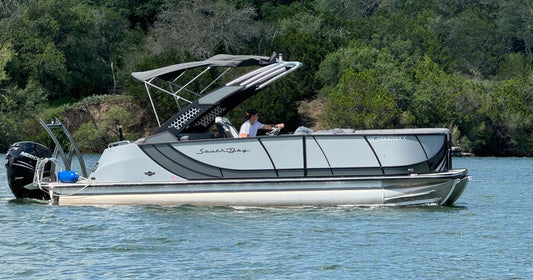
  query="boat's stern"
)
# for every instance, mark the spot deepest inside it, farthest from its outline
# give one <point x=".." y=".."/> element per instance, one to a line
<point x="126" y="162"/>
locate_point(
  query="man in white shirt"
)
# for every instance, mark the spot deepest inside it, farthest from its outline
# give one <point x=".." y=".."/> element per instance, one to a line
<point x="249" y="128"/>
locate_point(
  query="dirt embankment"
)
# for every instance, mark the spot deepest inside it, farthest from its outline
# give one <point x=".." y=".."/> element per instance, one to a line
<point x="310" y="113"/>
<point x="105" y="114"/>
<point x="112" y="111"/>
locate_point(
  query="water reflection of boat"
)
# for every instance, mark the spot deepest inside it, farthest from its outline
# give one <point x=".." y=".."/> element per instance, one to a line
<point x="184" y="162"/>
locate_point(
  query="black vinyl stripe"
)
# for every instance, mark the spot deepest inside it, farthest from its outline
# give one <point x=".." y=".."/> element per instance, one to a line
<point x="304" y="148"/>
<point x="375" y="154"/>
<point x="323" y="153"/>
<point x="169" y="164"/>
<point x="424" y="150"/>
<point x="269" y="157"/>
<point x="199" y="168"/>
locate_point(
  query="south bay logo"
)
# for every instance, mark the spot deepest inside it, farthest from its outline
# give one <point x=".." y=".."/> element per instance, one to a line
<point x="222" y="150"/>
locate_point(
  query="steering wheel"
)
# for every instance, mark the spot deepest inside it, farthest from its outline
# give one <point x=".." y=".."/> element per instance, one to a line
<point x="275" y="131"/>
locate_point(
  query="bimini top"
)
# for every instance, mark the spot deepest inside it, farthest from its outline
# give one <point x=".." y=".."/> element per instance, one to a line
<point x="199" y="114"/>
<point x="221" y="60"/>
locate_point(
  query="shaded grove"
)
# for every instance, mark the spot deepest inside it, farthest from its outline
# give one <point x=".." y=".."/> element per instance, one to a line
<point x="464" y="65"/>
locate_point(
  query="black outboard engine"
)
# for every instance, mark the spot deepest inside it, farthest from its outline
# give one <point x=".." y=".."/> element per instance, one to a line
<point x="21" y="160"/>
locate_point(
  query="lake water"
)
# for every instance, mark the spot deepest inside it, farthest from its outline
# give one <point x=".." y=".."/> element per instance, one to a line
<point x="488" y="234"/>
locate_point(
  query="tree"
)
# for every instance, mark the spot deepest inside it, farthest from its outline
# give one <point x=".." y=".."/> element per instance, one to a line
<point x="17" y="105"/>
<point x="6" y="53"/>
<point x="202" y="27"/>
<point x="514" y="65"/>
<point x="359" y="57"/>
<point x="96" y="135"/>
<point x="349" y="9"/>
<point x="509" y="117"/>
<point x="359" y="101"/>
<point x="435" y="95"/>
<point x="8" y="7"/>
<point x="296" y="39"/>
<point x="140" y="13"/>
<point x="514" y="22"/>
<point x="474" y="42"/>
<point x="63" y="46"/>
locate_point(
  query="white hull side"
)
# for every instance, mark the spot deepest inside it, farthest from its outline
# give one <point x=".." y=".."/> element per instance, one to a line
<point x="426" y="190"/>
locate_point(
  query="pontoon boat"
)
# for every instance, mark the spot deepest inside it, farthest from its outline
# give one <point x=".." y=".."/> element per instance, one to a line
<point x="185" y="161"/>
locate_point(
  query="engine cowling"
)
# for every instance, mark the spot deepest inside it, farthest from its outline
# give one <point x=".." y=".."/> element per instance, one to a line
<point x="20" y="163"/>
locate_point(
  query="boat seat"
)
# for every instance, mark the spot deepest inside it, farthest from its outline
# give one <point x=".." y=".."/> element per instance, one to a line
<point x="334" y="131"/>
<point x="225" y="128"/>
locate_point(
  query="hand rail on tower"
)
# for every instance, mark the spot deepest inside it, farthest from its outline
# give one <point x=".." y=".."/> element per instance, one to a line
<point x="73" y="147"/>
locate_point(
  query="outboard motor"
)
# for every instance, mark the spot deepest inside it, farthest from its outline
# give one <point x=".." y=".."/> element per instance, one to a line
<point x="21" y="160"/>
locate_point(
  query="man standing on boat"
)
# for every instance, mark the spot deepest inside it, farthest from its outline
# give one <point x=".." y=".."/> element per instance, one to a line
<point x="251" y="125"/>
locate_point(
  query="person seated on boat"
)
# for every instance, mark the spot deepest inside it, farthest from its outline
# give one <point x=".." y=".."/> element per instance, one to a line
<point x="251" y="125"/>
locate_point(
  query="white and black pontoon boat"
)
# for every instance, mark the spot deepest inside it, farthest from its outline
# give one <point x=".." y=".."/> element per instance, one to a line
<point x="182" y="162"/>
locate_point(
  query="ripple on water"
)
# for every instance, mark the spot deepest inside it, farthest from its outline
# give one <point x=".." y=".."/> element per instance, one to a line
<point x="487" y="235"/>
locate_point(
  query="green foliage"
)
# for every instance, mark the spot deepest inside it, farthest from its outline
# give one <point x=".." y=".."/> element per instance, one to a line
<point x="89" y="138"/>
<point x="139" y="13"/>
<point x="16" y="105"/>
<point x="465" y="65"/>
<point x="360" y="57"/>
<point x="348" y="9"/>
<point x="64" y="46"/>
<point x="435" y="95"/>
<point x="94" y="136"/>
<point x="509" y="117"/>
<point x="359" y="101"/>
<point x="6" y="54"/>
<point x="514" y="65"/>
<point x="274" y="11"/>
<point x="474" y="42"/>
<point x="514" y="22"/>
